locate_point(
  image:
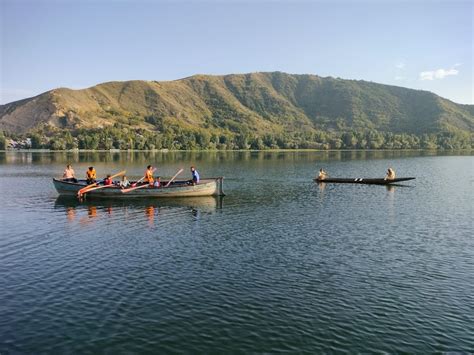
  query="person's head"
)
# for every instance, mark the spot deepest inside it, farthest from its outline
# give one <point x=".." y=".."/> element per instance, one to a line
<point x="108" y="176"/>
<point x="91" y="168"/>
<point x="69" y="166"/>
<point x="158" y="179"/>
<point x="321" y="170"/>
<point x="124" y="177"/>
<point x="148" y="167"/>
<point x="192" y="168"/>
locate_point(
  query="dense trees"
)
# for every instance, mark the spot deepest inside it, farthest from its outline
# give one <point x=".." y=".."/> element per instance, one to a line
<point x="2" y="141"/>
<point x="176" y="138"/>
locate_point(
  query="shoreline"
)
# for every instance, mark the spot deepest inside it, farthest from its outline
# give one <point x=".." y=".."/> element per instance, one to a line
<point x="222" y="150"/>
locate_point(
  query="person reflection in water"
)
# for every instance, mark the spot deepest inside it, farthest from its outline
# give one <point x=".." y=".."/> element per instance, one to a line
<point x="150" y="213"/>
<point x="70" y="213"/>
<point x="92" y="211"/>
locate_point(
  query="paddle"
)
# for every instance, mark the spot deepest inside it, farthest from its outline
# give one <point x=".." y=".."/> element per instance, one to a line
<point x="84" y="189"/>
<point x="134" y="188"/>
<point x="99" y="187"/>
<point x="136" y="182"/>
<point x="169" y="182"/>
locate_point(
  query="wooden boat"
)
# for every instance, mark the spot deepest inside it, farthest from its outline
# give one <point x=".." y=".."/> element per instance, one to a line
<point x="205" y="187"/>
<point x="363" y="181"/>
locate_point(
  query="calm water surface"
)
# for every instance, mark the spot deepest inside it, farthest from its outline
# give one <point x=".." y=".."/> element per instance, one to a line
<point x="280" y="264"/>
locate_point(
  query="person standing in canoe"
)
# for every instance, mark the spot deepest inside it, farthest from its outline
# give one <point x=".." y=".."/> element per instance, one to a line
<point x="390" y="174"/>
<point x="149" y="175"/>
<point x="91" y="175"/>
<point x="69" y="174"/>
<point x="195" y="176"/>
<point x="322" y="174"/>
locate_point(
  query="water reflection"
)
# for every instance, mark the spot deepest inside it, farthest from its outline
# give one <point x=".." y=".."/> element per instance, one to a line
<point x="86" y="210"/>
<point x="150" y="213"/>
<point x="322" y="186"/>
<point x="145" y="157"/>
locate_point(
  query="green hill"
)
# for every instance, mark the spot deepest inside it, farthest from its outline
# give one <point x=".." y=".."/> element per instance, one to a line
<point x="258" y="110"/>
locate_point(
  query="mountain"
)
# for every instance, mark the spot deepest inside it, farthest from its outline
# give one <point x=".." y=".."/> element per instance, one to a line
<point x="255" y="104"/>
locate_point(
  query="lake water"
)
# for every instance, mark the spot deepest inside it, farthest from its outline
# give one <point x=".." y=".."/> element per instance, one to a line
<point x="280" y="264"/>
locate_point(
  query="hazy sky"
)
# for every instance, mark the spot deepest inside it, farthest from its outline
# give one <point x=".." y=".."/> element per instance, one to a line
<point x="64" y="43"/>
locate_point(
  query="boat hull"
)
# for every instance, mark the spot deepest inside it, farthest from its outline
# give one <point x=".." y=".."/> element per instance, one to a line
<point x="206" y="187"/>
<point x="363" y="181"/>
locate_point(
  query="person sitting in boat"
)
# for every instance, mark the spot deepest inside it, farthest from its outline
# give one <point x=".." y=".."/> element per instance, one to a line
<point x="124" y="183"/>
<point x="149" y="175"/>
<point x="195" y="176"/>
<point x="108" y="180"/>
<point x="157" y="182"/>
<point x="69" y="174"/>
<point x="322" y="174"/>
<point x="91" y="175"/>
<point x="390" y="174"/>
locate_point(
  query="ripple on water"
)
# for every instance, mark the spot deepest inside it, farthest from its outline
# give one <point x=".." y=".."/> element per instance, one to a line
<point x="280" y="265"/>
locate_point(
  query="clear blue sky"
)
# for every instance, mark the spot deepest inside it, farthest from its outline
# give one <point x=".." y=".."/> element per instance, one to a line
<point x="64" y="43"/>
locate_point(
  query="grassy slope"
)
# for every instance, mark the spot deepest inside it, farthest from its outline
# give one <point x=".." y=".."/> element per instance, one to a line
<point x="258" y="102"/>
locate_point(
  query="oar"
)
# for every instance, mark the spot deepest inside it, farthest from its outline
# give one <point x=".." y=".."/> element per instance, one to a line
<point x="171" y="180"/>
<point x="134" y="188"/>
<point x="136" y="182"/>
<point x="84" y="189"/>
<point x="99" y="187"/>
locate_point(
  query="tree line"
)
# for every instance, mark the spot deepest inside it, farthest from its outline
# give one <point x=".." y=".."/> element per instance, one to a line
<point x="176" y="138"/>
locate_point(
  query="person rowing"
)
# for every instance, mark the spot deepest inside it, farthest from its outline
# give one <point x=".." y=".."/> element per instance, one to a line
<point x="390" y="174"/>
<point x="124" y="183"/>
<point x="91" y="175"/>
<point x="69" y="174"/>
<point x="149" y="175"/>
<point x="195" y="176"/>
<point x="108" y="180"/>
<point x="322" y="174"/>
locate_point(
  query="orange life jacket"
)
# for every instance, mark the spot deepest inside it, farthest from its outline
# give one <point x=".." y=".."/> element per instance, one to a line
<point x="149" y="176"/>
<point x="91" y="174"/>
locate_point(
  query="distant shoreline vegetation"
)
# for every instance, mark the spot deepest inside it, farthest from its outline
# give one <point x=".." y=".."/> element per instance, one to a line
<point x="114" y="138"/>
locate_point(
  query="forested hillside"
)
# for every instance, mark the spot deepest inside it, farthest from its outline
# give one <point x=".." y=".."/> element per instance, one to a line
<point x="248" y="111"/>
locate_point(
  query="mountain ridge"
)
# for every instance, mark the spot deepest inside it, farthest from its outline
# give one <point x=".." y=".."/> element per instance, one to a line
<point x="261" y="103"/>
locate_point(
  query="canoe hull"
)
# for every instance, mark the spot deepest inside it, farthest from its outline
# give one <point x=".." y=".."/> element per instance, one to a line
<point x="206" y="187"/>
<point x="363" y="181"/>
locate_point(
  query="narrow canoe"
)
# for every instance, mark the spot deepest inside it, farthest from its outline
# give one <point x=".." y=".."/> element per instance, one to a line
<point x="205" y="187"/>
<point x="363" y="181"/>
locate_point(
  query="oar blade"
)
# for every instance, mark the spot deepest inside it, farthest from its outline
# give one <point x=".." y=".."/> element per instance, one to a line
<point x="174" y="177"/>
<point x="88" y="188"/>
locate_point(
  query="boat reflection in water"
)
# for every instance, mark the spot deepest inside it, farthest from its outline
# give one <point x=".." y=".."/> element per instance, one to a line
<point x="87" y="210"/>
